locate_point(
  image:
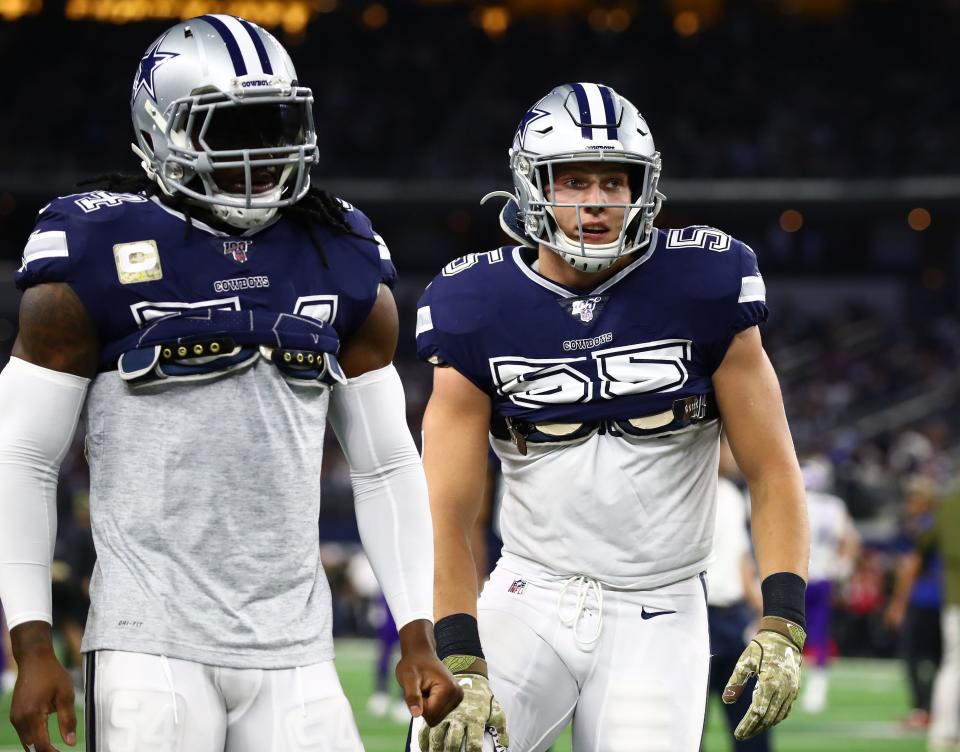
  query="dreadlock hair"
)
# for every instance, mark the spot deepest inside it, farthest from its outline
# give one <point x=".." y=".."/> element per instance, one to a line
<point x="316" y="208"/>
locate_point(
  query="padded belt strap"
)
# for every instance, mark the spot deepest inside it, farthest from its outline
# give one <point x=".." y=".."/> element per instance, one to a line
<point x="686" y="411"/>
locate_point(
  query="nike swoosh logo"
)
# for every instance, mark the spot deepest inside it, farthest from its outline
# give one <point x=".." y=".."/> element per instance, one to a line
<point x="644" y="614"/>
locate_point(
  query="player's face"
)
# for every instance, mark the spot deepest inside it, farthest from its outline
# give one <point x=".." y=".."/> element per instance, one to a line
<point x="599" y="187"/>
<point x="252" y="126"/>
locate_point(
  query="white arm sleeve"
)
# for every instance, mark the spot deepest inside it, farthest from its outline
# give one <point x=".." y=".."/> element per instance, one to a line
<point x="40" y="409"/>
<point x="368" y="414"/>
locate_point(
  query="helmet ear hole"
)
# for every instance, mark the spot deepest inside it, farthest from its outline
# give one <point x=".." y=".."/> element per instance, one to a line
<point x="148" y="140"/>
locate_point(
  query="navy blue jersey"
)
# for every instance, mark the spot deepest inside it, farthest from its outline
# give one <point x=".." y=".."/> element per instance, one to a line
<point x="132" y="261"/>
<point x="652" y="334"/>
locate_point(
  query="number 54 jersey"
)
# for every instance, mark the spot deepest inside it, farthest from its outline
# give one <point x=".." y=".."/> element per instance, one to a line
<point x="604" y="415"/>
<point x="205" y="423"/>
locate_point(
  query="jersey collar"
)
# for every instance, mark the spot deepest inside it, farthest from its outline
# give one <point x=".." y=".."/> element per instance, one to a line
<point x="568" y="293"/>
<point x="200" y="225"/>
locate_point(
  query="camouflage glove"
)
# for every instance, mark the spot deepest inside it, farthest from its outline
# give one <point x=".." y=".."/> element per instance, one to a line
<point x="774" y="657"/>
<point x="464" y="726"/>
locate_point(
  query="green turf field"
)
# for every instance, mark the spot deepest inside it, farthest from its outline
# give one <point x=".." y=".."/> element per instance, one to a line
<point x="867" y="699"/>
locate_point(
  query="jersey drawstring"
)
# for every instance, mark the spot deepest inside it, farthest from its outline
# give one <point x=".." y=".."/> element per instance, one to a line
<point x="585" y="586"/>
<point x="164" y="664"/>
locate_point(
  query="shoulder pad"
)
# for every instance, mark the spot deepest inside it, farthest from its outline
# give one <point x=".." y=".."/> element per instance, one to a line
<point x="360" y="223"/>
<point x="53" y="248"/>
<point x="723" y="264"/>
<point x="719" y="274"/>
<point x="72" y="240"/>
<point x="459" y="302"/>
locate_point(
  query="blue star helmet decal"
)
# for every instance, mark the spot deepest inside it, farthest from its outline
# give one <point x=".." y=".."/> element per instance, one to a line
<point x="531" y="116"/>
<point x="149" y="63"/>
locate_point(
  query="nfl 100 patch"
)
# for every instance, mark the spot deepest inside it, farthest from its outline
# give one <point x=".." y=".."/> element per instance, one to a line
<point x="239" y="250"/>
<point x="584" y="309"/>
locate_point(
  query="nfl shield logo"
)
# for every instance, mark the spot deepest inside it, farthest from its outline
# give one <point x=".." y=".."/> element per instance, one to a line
<point x="584" y="308"/>
<point x="239" y="249"/>
<point x="517" y="587"/>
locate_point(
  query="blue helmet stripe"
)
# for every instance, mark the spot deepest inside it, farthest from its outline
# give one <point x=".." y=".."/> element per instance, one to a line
<point x="239" y="66"/>
<point x="258" y="43"/>
<point x="610" y="111"/>
<point x="584" y="106"/>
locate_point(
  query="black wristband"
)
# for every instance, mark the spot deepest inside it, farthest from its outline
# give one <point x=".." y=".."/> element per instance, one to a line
<point x="457" y="634"/>
<point x="783" y="596"/>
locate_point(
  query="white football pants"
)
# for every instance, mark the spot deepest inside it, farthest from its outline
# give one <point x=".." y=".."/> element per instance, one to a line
<point x="629" y="667"/>
<point x="148" y="703"/>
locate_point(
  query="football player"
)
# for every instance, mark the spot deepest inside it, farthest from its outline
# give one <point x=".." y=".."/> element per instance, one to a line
<point x="600" y="355"/>
<point x="206" y="322"/>
<point x="834" y="547"/>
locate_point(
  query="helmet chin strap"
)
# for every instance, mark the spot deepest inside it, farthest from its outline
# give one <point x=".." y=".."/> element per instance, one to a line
<point x="568" y="244"/>
<point x="246" y="218"/>
<point x="579" y="261"/>
<point x="578" y="253"/>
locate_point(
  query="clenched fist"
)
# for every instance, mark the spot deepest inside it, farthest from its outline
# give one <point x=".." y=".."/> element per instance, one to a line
<point x="464" y="727"/>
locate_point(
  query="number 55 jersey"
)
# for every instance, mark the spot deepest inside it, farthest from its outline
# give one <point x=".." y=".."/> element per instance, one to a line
<point x="604" y="414"/>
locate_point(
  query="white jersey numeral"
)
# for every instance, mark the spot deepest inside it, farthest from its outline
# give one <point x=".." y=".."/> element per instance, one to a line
<point x="635" y="369"/>
<point x="639" y="369"/>
<point x="320" y="307"/>
<point x="95" y="200"/>
<point x="535" y="382"/>
<point x="470" y="260"/>
<point x="699" y="237"/>
<point x="149" y="310"/>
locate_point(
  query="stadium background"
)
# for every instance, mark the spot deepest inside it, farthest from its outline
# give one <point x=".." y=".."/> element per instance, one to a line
<point x="821" y="132"/>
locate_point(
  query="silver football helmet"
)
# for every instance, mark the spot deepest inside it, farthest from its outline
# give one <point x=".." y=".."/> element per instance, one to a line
<point x="584" y="122"/>
<point x="220" y="118"/>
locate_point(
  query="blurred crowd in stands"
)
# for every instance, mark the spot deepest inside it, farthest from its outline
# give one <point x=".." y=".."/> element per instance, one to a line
<point x="754" y="92"/>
